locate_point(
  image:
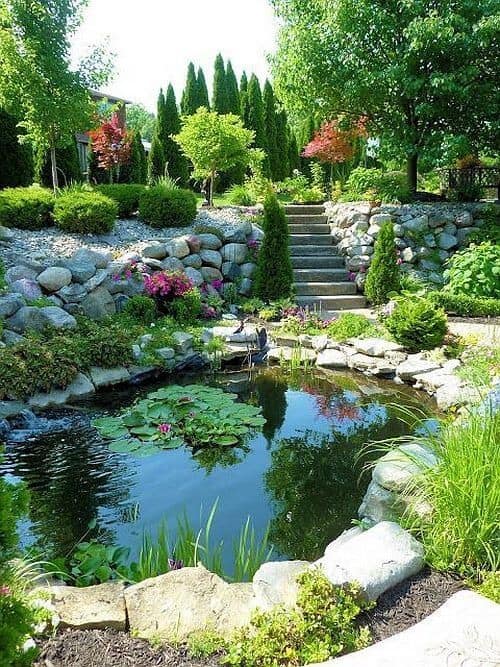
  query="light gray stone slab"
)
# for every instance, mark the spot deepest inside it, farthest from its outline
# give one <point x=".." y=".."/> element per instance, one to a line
<point x="97" y="607"/>
<point x="276" y="583"/>
<point x="104" y="377"/>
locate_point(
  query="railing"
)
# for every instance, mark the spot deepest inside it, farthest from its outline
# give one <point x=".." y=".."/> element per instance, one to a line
<point x="471" y="177"/>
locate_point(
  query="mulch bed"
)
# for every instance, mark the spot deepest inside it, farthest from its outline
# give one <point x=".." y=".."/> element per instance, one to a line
<point x="110" y="648"/>
<point x="409" y="602"/>
<point x="398" y="609"/>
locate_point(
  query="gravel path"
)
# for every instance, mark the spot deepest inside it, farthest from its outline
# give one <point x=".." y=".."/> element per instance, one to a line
<point x="127" y="236"/>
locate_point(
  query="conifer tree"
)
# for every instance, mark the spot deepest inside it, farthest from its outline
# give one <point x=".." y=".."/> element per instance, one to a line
<point x="202" y="94"/>
<point x="255" y="120"/>
<point x="274" y="276"/>
<point x="156" y="162"/>
<point x="133" y="171"/>
<point x="175" y="161"/>
<point x="233" y="93"/>
<point x="282" y="144"/>
<point x="189" y="100"/>
<point x="244" y="98"/>
<point x="384" y="274"/>
<point x="16" y="164"/>
<point x="220" y="97"/>
<point x="270" y="124"/>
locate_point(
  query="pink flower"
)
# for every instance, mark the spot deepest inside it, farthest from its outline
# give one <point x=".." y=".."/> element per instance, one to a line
<point x="399" y="261"/>
<point x="217" y="284"/>
<point x="165" y="428"/>
<point x="4" y="591"/>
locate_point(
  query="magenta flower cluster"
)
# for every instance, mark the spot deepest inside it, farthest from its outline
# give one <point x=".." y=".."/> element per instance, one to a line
<point x="134" y="270"/>
<point x="167" y="285"/>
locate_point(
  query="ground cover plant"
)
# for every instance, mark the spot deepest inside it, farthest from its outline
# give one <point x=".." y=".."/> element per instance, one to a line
<point x="174" y="416"/>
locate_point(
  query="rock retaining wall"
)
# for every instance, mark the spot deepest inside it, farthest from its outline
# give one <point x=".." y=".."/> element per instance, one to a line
<point x="426" y="234"/>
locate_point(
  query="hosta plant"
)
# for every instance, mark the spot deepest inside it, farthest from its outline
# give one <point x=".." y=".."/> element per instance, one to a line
<point x="195" y="415"/>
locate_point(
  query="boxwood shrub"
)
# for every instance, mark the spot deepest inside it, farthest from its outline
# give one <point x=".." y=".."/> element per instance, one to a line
<point x="465" y="305"/>
<point x="161" y="206"/>
<point x="125" y="195"/>
<point x="26" y="208"/>
<point x="83" y="212"/>
<point x="417" y="323"/>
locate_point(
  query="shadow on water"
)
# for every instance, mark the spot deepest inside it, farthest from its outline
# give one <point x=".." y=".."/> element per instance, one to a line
<point x="300" y="472"/>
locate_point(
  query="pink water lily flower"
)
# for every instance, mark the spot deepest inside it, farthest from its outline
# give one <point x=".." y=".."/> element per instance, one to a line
<point x="165" y="428"/>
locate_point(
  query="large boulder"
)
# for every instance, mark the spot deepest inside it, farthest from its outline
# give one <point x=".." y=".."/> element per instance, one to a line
<point x="211" y="258"/>
<point x="26" y="318"/>
<point x="174" y="605"/>
<point x="9" y="304"/>
<point x="100" y="606"/>
<point x="332" y="359"/>
<point x="396" y="469"/>
<point x="235" y="252"/>
<point x="415" y="365"/>
<point x="57" y="317"/>
<point x="99" y="259"/>
<point x="99" y="304"/>
<point x="54" y="278"/>
<point x="73" y="293"/>
<point x="210" y="273"/>
<point x="20" y="271"/>
<point x="210" y="241"/>
<point x="177" y="248"/>
<point x="105" y="377"/>
<point x="28" y="288"/>
<point x="374" y="347"/>
<point x="194" y="276"/>
<point x="81" y="269"/>
<point x="276" y="583"/>
<point x="380" y="504"/>
<point x="155" y="251"/>
<point x="194" y="261"/>
<point x="377" y="560"/>
<point x="172" y="264"/>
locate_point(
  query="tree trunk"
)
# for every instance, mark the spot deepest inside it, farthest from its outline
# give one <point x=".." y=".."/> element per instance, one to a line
<point x="211" y="190"/>
<point x="53" y="168"/>
<point x="412" y="172"/>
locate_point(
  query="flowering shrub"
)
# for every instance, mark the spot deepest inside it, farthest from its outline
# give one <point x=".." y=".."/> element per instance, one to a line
<point x="165" y="286"/>
<point x="133" y="270"/>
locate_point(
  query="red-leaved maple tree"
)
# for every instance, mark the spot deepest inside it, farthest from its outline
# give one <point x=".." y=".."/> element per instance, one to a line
<point x="111" y="143"/>
<point x="333" y="143"/>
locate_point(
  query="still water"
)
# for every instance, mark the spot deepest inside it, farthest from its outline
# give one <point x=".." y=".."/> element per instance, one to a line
<point x="300" y="473"/>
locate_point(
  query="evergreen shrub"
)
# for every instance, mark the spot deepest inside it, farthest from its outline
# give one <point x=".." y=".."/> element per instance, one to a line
<point x="160" y="206"/>
<point x="465" y="305"/>
<point x="417" y="323"/>
<point x="274" y="276"/>
<point x="126" y="195"/>
<point x="383" y="276"/>
<point x="26" y="208"/>
<point x="83" y="212"/>
<point x="388" y="186"/>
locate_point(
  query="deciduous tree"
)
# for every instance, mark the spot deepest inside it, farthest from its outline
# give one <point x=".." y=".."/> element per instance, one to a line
<point x="111" y="143"/>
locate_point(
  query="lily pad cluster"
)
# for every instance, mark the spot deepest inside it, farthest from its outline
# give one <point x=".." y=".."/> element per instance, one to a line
<point x="194" y="415"/>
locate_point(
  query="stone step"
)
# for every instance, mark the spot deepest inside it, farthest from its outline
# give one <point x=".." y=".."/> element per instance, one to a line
<point x="318" y="275"/>
<point x="314" y="262"/>
<point x="303" y="219"/>
<point x="330" y="303"/>
<point x="325" y="289"/>
<point x="308" y="228"/>
<point x="318" y="250"/>
<point x="304" y="209"/>
<point x="310" y="239"/>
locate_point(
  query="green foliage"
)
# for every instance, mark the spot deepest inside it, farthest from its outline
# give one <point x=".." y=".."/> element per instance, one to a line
<point x="274" y="277"/>
<point x="141" y="309"/>
<point x="68" y="166"/>
<point x="416" y="323"/>
<point x="461" y="532"/>
<point x="232" y="90"/>
<point x="176" y="164"/>
<point x="239" y="195"/>
<point x="489" y="586"/>
<point x="13" y="505"/>
<point x="220" y="101"/>
<point x="351" y="325"/>
<point x="125" y="195"/>
<point x="301" y="190"/>
<point x="465" y="305"/>
<point x="83" y="212"/>
<point x="26" y="208"/>
<point x="214" y="143"/>
<point x="374" y="184"/>
<point x="205" y="643"/>
<point x="136" y="170"/>
<point x="190" y="99"/>
<point x="156" y="157"/>
<point x="173" y="416"/>
<point x="18" y="618"/>
<point x="187" y="309"/>
<point x="326" y="64"/>
<point x="254" y="119"/>
<point x="140" y="121"/>
<point x="475" y="271"/>
<point x="383" y="276"/>
<point x="321" y="627"/>
<point x="480" y="364"/>
<point x="91" y="563"/>
<point x="105" y="344"/>
<point x="162" y="206"/>
<point x="270" y="124"/>
<point x="490" y="230"/>
<point x="201" y="91"/>
<point x="16" y="167"/>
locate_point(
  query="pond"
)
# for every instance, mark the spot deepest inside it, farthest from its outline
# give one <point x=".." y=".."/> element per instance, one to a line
<point x="300" y="473"/>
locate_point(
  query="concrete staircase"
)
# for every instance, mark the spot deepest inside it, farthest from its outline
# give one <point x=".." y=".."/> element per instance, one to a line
<point x="321" y="279"/>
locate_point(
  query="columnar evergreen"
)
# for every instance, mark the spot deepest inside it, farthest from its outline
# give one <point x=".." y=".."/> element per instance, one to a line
<point x="16" y="164"/>
<point x="202" y="90"/>
<point x="244" y="98"/>
<point x="220" y="102"/>
<point x="156" y="163"/>
<point x="384" y="274"/>
<point x="190" y="96"/>
<point x="255" y="120"/>
<point x="136" y="169"/>
<point x="270" y="124"/>
<point x="176" y="163"/>
<point x="282" y="147"/>
<point x="233" y="93"/>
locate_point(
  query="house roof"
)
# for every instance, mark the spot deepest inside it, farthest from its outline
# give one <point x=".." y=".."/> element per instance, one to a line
<point x="98" y="95"/>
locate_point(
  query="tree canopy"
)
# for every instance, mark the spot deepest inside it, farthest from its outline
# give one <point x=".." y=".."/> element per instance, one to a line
<point x="141" y="120"/>
<point x="420" y="71"/>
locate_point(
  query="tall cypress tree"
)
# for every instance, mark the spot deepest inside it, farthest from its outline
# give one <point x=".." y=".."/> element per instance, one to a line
<point x="233" y="93"/>
<point x="202" y="90"/>
<point x="16" y="163"/>
<point x="270" y="124"/>
<point x="156" y="163"/>
<point x="293" y="151"/>
<point x="255" y="119"/>
<point x="244" y="98"/>
<point x="171" y="124"/>
<point x="133" y="172"/>
<point x="220" y="97"/>
<point x="282" y="141"/>
<point x="189" y="100"/>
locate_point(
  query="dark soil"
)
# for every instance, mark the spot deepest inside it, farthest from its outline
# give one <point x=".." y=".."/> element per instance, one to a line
<point x="110" y="648"/>
<point x="409" y="602"/>
<point x="398" y="609"/>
